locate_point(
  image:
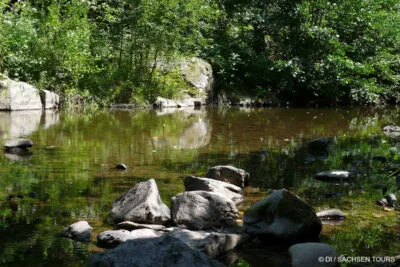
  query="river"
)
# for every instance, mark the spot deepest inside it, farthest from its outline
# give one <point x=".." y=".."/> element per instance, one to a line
<point x="70" y="176"/>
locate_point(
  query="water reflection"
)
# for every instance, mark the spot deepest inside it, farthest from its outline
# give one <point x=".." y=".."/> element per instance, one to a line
<point x="23" y="123"/>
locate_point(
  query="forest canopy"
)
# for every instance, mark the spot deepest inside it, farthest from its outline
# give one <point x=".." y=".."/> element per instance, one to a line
<point x="286" y="51"/>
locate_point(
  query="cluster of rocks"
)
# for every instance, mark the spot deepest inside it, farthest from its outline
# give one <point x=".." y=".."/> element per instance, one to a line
<point x="202" y="224"/>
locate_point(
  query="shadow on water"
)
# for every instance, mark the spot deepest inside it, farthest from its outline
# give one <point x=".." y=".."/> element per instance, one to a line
<point x="70" y="174"/>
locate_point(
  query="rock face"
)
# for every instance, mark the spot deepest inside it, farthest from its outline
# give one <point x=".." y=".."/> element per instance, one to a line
<point x="50" y="100"/>
<point x="79" y="231"/>
<point x="18" y="143"/>
<point x="141" y="204"/>
<point x="283" y="216"/>
<point x="203" y="210"/>
<point x="213" y="244"/>
<point x="23" y="96"/>
<point x="334" y="176"/>
<point x="166" y="251"/>
<point x="313" y="254"/>
<point x="114" y="238"/>
<point x="229" y="174"/>
<point x="227" y="190"/>
<point x="197" y="73"/>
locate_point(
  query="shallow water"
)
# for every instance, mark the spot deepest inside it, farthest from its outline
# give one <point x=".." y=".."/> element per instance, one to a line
<point x="69" y="175"/>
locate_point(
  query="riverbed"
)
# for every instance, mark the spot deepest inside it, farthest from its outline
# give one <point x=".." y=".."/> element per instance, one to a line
<point x="70" y="173"/>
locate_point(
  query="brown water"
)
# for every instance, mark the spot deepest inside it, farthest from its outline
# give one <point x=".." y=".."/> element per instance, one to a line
<point x="69" y="176"/>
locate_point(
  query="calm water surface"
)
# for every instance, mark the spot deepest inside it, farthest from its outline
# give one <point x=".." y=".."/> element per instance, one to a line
<point x="69" y="175"/>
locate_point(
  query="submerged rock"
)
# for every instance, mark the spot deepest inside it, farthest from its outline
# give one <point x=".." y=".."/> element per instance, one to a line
<point x="141" y="204"/>
<point x="165" y="251"/>
<point x="203" y="210"/>
<point x="114" y="238"/>
<point x="227" y="190"/>
<point x="318" y="144"/>
<point x="229" y="174"/>
<point x="283" y="216"/>
<point x="121" y="166"/>
<point x="336" y="176"/>
<point x="211" y="243"/>
<point x="79" y="231"/>
<point x="313" y="254"/>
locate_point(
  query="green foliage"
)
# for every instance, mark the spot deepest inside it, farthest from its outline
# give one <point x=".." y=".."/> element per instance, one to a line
<point x="301" y="52"/>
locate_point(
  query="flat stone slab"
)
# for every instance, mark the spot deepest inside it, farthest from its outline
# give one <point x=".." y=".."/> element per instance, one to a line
<point x="127" y="225"/>
<point x="335" y="176"/>
<point x="113" y="238"/>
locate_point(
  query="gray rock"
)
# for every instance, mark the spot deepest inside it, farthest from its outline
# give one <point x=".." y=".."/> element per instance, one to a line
<point x="197" y="73"/>
<point x="335" y="176"/>
<point x="203" y="210"/>
<point x="227" y="190"/>
<point x="331" y="216"/>
<point x="18" y="95"/>
<point x="213" y="244"/>
<point x="79" y="231"/>
<point x="113" y="238"/>
<point x="283" y="216"/>
<point x="18" y="143"/>
<point x="229" y="174"/>
<point x="133" y="226"/>
<point x="141" y="204"/>
<point x="313" y="254"/>
<point x="392" y="131"/>
<point x="50" y="100"/>
<point x="165" y="251"/>
<point x="319" y="143"/>
<point x="391" y="199"/>
<point x="162" y="102"/>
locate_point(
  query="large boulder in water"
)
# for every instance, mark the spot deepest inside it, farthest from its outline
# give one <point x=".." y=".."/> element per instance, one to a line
<point x="283" y="216"/>
<point x="203" y="210"/>
<point x="313" y="254"/>
<point x="227" y="190"/>
<point x="50" y="100"/>
<point x="229" y="174"/>
<point x="18" y="95"/>
<point x="318" y="144"/>
<point x="141" y="204"/>
<point x="165" y="251"/>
